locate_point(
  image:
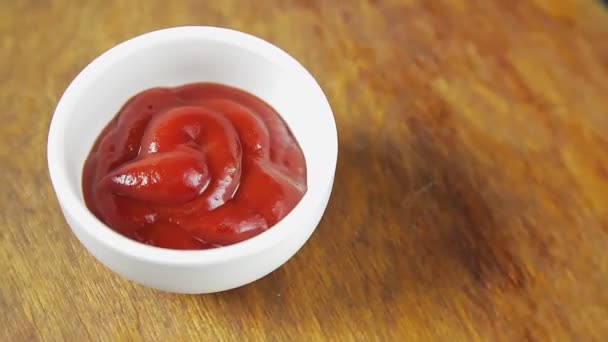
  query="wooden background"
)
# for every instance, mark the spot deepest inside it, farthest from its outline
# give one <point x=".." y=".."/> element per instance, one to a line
<point x="471" y="194"/>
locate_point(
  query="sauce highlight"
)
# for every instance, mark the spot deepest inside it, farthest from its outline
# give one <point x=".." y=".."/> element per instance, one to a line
<point x="197" y="166"/>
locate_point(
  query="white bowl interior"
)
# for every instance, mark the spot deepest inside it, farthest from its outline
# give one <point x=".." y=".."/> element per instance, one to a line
<point x="174" y="57"/>
<point x="177" y="62"/>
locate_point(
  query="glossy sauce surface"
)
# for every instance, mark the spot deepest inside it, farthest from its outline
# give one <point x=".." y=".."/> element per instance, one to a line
<point x="193" y="167"/>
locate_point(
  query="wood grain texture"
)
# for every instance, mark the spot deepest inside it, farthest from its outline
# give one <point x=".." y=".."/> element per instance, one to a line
<point x="471" y="194"/>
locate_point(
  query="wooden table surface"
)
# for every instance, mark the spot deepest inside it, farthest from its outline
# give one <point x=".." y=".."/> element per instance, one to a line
<point x="471" y="193"/>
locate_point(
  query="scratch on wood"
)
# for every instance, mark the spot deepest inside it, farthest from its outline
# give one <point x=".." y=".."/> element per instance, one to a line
<point x="408" y="200"/>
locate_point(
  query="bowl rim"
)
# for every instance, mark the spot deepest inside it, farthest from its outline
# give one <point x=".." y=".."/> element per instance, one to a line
<point x="74" y="207"/>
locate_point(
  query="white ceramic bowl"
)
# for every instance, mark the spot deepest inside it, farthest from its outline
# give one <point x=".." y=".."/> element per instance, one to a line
<point x="172" y="57"/>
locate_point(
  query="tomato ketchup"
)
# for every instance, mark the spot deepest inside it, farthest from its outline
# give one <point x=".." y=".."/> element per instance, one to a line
<point x="197" y="166"/>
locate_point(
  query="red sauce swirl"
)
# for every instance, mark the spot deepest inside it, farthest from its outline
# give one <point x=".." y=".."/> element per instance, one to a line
<point x="194" y="167"/>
